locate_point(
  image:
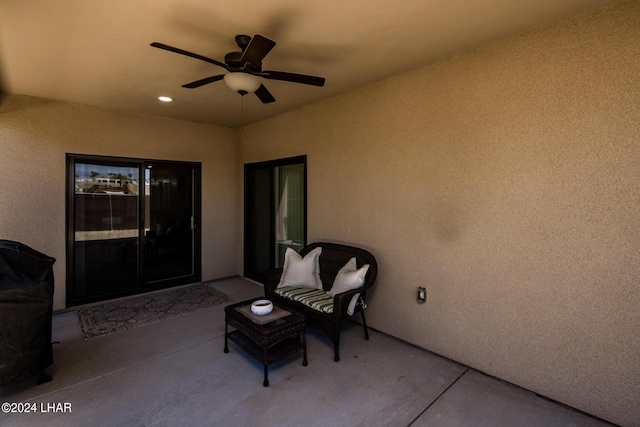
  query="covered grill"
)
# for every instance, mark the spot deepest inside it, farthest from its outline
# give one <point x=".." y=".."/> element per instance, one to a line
<point x="26" y="309"/>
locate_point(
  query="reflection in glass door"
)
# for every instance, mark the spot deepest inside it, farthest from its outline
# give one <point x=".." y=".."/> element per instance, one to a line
<point x="290" y="217"/>
<point x="105" y="224"/>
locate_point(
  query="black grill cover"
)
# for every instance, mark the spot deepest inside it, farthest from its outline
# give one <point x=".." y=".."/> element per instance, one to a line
<point x="26" y="309"/>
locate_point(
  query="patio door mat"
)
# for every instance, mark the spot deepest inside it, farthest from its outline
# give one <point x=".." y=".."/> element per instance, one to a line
<point x="113" y="316"/>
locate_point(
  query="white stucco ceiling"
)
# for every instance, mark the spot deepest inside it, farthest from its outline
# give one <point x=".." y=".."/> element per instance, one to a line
<point x="97" y="52"/>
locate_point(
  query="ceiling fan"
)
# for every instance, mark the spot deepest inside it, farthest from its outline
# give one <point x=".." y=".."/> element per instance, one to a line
<point x="244" y="67"/>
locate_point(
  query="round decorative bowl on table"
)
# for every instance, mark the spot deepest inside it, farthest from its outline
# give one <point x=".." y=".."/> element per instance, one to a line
<point x="261" y="307"/>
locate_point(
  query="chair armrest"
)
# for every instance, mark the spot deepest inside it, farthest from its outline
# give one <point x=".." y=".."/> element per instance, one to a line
<point x="341" y="301"/>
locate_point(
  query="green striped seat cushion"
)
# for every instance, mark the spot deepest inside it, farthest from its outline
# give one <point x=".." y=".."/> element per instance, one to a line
<point x="314" y="298"/>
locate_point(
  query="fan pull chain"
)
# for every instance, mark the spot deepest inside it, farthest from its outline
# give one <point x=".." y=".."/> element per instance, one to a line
<point x="244" y="116"/>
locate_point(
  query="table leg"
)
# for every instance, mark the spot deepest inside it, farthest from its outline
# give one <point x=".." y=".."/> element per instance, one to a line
<point x="266" y="379"/>
<point x="304" y="350"/>
<point x="226" y="345"/>
<point x="266" y="369"/>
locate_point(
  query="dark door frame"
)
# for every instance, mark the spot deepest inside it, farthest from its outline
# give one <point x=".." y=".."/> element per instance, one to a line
<point x="271" y="165"/>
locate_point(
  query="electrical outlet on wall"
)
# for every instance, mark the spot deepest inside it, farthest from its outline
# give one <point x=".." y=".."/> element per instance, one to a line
<point x="422" y="294"/>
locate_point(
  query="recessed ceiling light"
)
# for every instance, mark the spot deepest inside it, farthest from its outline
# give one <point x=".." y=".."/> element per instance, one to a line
<point x="165" y="99"/>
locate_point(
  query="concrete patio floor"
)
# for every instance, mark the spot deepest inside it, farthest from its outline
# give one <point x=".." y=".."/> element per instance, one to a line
<point x="174" y="373"/>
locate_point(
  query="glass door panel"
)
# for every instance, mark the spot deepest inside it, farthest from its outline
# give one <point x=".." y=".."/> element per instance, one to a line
<point x="105" y="229"/>
<point x="258" y="220"/>
<point x="168" y="222"/>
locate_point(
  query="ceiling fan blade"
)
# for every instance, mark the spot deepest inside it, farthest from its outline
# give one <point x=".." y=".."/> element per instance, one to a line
<point x="257" y="49"/>
<point x="203" y="82"/>
<point x="186" y="53"/>
<point x="292" y="77"/>
<point x="264" y="95"/>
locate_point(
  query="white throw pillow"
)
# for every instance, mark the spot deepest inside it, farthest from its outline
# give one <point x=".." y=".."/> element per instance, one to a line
<point x="298" y="271"/>
<point x="349" y="277"/>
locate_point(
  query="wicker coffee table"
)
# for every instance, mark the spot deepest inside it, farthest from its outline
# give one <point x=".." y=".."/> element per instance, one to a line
<point x="267" y="338"/>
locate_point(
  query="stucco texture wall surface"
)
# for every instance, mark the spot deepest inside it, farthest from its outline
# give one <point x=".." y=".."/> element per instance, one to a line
<point x="36" y="134"/>
<point x="507" y="182"/>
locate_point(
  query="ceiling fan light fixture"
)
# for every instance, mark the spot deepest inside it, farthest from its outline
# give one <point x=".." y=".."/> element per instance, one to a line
<point x="242" y="83"/>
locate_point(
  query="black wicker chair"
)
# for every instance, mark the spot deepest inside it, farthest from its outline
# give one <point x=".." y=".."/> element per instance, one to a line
<point x="334" y="256"/>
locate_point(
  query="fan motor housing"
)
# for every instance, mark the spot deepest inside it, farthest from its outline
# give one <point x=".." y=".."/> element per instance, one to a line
<point x="234" y="60"/>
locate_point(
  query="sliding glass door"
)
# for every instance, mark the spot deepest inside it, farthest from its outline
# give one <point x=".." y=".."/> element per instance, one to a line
<point x="131" y="226"/>
<point x="275" y="213"/>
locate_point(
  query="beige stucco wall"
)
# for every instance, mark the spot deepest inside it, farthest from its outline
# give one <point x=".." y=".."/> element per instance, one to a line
<point x="506" y="181"/>
<point x="35" y="135"/>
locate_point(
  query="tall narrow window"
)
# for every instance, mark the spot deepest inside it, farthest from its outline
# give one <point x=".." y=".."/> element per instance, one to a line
<point x="275" y="213"/>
